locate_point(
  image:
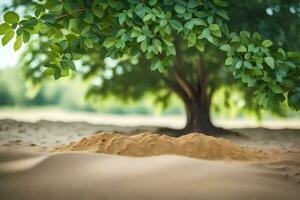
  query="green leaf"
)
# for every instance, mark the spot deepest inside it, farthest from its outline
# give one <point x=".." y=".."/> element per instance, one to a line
<point x="88" y="17"/>
<point x="192" y="39"/>
<point x="122" y="18"/>
<point x="241" y="49"/>
<point x="163" y="22"/>
<point x="246" y="78"/>
<point x="26" y="36"/>
<point x="290" y="64"/>
<point x="282" y="52"/>
<point x="68" y="64"/>
<point x="147" y="17"/>
<point x="251" y="82"/>
<point x="109" y="42"/>
<point x="210" y="19"/>
<point x="225" y="47"/>
<point x="244" y="34"/>
<point x="193" y="3"/>
<point x="189" y="25"/>
<point x="248" y="65"/>
<point x="187" y="16"/>
<point x="167" y="41"/>
<point x="214" y="27"/>
<point x="217" y="33"/>
<point x="199" y="22"/>
<point x="48" y="18"/>
<point x="294" y="99"/>
<point x="49" y="71"/>
<point x="235" y="38"/>
<point x="7" y="37"/>
<point x="256" y="37"/>
<point x="135" y="33"/>
<point x="229" y="61"/>
<point x="277" y="89"/>
<point x="38" y="9"/>
<point x="141" y="38"/>
<point x="223" y="14"/>
<point x="129" y="14"/>
<point x="19" y="31"/>
<point x="176" y="25"/>
<point x="152" y="2"/>
<point x="97" y="10"/>
<point x="171" y="51"/>
<point x="239" y="64"/>
<point x="140" y="11"/>
<point x="157" y="44"/>
<point x="206" y="33"/>
<point x="144" y="46"/>
<point x="270" y="61"/>
<point x="180" y="9"/>
<point x="57" y="73"/>
<point x="18" y="43"/>
<point x="4" y="28"/>
<point x="88" y="43"/>
<point x="200" y="46"/>
<point x="267" y="43"/>
<point x="262" y="100"/>
<point x="120" y="44"/>
<point x="247" y="56"/>
<point x="11" y="17"/>
<point x="156" y="65"/>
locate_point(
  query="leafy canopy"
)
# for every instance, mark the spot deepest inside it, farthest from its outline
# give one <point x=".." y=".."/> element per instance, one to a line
<point x="133" y="28"/>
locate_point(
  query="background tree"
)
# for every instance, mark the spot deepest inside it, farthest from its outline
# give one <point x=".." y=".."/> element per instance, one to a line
<point x="166" y="47"/>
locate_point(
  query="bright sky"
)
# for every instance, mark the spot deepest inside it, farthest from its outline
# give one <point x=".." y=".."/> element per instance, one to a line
<point x="8" y="57"/>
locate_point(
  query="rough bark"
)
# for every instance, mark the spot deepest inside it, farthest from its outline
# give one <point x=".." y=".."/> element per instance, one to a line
<point x="197" y="117"/>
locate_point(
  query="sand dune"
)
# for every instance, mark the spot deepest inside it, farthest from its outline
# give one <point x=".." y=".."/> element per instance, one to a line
<point x="194" y="145"/>
<point x="79" y="176"/>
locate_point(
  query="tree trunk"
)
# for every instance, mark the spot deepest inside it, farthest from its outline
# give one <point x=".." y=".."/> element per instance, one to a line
<point x="197" y="109"/>
<point x="197" y="99"/>
<point x="197" y="117"/>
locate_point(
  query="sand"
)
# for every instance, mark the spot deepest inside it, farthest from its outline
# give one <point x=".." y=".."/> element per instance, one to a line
<point x="43" y="135"/>
<point x="78" y="176"/>
<point x="215" y="174"/>
<point x="194" y="145"/>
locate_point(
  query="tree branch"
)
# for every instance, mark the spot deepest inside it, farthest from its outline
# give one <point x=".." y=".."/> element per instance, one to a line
<point x="68" y="14"/>
<point x="179" y="75"/>
<point x="184" y="85"/>
<point x="175" y="87"/>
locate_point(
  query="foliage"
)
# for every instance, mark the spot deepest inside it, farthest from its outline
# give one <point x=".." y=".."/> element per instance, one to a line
<point x="155" y="32"/>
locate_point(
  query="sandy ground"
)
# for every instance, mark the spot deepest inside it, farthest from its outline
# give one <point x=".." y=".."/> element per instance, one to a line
<point x="44" y="135"/>
<point x="80" y="176"/>
<point x="29" y="171"/>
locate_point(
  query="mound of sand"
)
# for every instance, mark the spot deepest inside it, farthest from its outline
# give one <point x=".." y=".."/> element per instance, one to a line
<point x="148" y="144"/>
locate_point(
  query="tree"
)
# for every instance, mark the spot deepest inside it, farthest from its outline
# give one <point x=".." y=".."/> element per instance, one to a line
<point x="167" y="47"/>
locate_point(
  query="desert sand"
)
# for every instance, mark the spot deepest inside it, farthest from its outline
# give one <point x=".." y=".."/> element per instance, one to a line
<point x="41" y="160"/>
